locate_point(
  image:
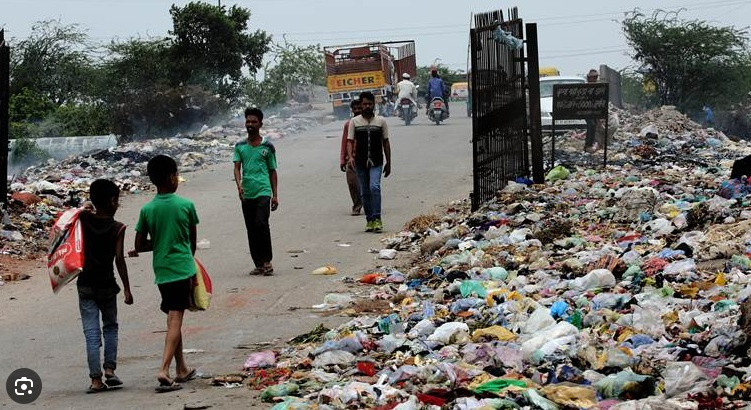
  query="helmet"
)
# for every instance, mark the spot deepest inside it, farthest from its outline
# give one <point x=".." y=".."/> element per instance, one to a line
<point x="405" y="76"/>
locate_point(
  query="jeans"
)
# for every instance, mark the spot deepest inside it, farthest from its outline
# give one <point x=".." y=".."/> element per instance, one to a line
<point x="256" y="213"/>
<point x="92" y="301"/>
<point x="370" y="190"/>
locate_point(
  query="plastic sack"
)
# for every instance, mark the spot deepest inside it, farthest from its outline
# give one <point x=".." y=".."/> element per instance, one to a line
<point x="598" y="278"/>
<point x="451" y="332"/>
<point x="334" y="357"/>
<point x="469" y="287"/>
<point x="202" y="288"/>
<point x="65" y="254"/>
<point x="539" y="319"/>
<point x="681" y="377"/>
<point x="279" y="390"/>
<point x="571" y="396"/>
<point x="626" y="384"/>
<point x="260" y="359"/>
<point x="559" y="172"/>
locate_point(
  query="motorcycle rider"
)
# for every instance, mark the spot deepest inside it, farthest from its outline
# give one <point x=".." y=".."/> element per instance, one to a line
<point x="437" y="89"/>
<point x="406" y="89"/>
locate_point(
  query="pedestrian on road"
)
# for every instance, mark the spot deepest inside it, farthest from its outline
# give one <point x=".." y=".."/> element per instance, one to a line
<point x="255" y="176"/>
<point x="367" y="145"/>
<point x="97" y="288"/>
<point x="167" y="226"/>
<point x="589" y="142"/>
<point x="354" y="188"/>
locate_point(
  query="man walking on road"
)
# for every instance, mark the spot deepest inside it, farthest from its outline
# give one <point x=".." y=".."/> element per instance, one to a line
<point x="367" y="145"/>
<point x="354" y="189"/>
<point x="255" y="176"/>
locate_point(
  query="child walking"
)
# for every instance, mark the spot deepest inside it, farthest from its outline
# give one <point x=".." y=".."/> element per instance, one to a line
<point x="167" y="227"/>
<point x="97" y="287"/>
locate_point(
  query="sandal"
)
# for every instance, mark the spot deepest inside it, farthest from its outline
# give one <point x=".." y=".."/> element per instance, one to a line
<point x="112" y="381"/>
<point x="191" y="375"/>
<point x="256" y="272"/>
<point x="267" y="269"/>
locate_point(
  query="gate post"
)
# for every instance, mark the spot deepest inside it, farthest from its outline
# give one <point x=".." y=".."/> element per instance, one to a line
<point x="4" y="117"/>
<point x="535" y="120"/>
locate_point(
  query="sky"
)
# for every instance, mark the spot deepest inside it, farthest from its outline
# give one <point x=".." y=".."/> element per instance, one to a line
<point x="574" y="35"/>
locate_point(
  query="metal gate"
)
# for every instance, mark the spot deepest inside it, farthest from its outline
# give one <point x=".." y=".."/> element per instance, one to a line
<point x="500" y="139"/>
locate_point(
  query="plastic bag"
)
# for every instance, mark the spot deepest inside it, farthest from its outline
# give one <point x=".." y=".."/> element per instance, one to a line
<point x="598" y="278"/>
<point x="469" y="287"/>
<point x="539" y="319"/>
<point x="202" y="288"/>
<point x="681" y="377"/>
<point x="65" y="256"/>
<point x="451" y="332"/>
<point x="260" y="359"/>
<point x="682" y="266"/>
<point x="559" y="172"/>
<point x="571" y="396"/>
<point x="626" y="384"/>
<point x="333" y="357"/>
<point x="279" y="390"/>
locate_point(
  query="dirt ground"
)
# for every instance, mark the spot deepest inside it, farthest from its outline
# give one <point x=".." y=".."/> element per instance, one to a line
<point x="312" y="228"/>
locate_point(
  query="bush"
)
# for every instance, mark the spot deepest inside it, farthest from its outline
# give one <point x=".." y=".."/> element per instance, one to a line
<point x="26" y="149"/>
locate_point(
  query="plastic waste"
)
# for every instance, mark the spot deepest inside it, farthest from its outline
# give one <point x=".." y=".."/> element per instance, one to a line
<point x="260" y="359"/>
<point x="679" y="267"/>
<point x="387" y="254"/>
<point x="493" y="333"/>
<point x="350" y="344"/>
<point x="539" y="319"/>
<point x="325" y="270"/>
<point x="279" y="390"/>
<point x="451" y="332"/>
<point x="681" y="377"/>
<point x="334" y="357"/>
<point x="571" y="396"/>
<point x="421" y="329"/>
<point x="557" y="173"/>
<point x="626" y="384"/>
<point x="538" y="401"/>
<point x="496" y="385"/>
<point x="558" y="309"/>
<point x="598" y="278"/>
<point x="497" y="273"/>
<point x="472" y="287"/>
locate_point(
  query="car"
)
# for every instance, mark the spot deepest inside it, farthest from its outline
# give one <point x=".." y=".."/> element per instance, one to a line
<point x="546" y="105"/>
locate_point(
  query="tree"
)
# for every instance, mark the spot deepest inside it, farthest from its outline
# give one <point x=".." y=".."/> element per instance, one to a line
<point x="448" y="75"/>
<point x="54" y="62"/>
<point x="690" y="62"/>
<point x="212" y="45"/>
<point x="637" y="92"/>
<point x="291" y="66"/>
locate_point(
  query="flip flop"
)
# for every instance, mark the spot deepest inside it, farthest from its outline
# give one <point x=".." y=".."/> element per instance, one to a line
<point x="112" y="381"/>
<point x="165" y="388"/>
<point x="106" y="388"/>
<point x="191" y="375"/>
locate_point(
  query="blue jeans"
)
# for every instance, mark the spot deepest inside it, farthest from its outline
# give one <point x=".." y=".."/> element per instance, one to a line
<point x="92" y="301"/>
<point x="370" y="190"/>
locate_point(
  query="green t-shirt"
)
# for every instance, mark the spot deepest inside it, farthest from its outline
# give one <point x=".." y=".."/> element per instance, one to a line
<point x="167" y="220"/>
<point x="257" y="163"/>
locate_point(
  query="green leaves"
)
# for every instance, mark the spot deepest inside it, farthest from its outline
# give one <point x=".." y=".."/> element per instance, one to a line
<point x="692" y="63"/>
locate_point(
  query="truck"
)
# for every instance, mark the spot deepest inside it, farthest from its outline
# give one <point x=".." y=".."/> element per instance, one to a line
<point x="376" y="67"/>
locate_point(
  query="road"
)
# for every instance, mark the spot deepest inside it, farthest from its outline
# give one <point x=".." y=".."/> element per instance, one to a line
<point x="42" y="331"/>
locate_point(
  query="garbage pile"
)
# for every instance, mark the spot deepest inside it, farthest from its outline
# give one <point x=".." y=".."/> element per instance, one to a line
<point x="617" y="288"/>
<point x="42" y="192"/>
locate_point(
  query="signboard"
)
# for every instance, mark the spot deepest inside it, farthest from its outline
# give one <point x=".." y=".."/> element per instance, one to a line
<point x="577" y="101"/>
<point x="355" y="81"/>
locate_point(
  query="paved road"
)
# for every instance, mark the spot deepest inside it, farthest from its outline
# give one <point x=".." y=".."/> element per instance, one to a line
<point x="42" y="331"/>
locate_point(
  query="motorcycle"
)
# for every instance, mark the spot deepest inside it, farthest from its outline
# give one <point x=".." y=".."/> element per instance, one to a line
<point x="406" y="110"/>
<point x="437" y="110"/>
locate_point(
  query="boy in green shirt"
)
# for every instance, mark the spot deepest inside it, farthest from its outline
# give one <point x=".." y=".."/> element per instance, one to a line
<point x="167" y="226"/>
<point x="255" y="176"/>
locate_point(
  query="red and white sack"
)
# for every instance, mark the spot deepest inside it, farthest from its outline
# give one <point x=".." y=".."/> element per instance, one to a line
<point x="65" y="255"/>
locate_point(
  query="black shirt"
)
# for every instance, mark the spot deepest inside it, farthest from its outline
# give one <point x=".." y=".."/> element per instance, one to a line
<point x="99" y="245"/>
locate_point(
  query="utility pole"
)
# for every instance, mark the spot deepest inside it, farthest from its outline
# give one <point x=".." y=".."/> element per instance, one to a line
<point x="220" y="2"/>
<point x="4" y="118"/>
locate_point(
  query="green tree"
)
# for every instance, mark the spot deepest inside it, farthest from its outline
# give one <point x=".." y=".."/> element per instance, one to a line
<point x="290" y="66"/>
<point x="637" y="92"/>
<point x="212" y="45"/>
<point x="54" y="62"/>
<point x="448" y="75"/>
<point x="690" y="62"/>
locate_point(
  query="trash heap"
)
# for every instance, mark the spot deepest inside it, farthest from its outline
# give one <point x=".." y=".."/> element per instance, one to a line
<point x="617" y="288"/>
<point x="42" y="192"/>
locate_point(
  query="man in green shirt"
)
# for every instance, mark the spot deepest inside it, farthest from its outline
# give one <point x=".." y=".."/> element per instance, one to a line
<point x="255" y="176"/>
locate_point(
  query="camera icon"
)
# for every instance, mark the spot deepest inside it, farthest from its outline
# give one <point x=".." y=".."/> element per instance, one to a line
<point x="24" y="386"/>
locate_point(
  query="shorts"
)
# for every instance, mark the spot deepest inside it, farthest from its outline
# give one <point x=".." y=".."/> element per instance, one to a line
<point x="176" y="295"/>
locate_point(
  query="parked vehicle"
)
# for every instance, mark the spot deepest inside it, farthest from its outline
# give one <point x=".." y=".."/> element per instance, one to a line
<point x="355" y="68"/>
<point x="437" y="110"/>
